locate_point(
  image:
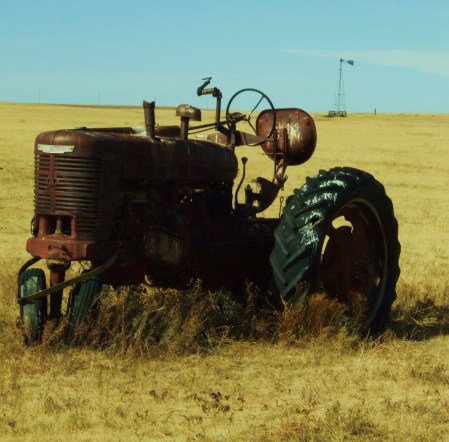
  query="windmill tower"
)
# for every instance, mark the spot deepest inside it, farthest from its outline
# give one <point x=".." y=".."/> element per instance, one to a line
<point x="339" y="108"/>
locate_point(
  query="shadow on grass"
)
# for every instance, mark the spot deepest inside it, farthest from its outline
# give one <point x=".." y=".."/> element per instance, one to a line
<point x="424" y="320"/>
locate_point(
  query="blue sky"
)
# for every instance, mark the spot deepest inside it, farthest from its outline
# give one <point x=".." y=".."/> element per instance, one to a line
<point x="117" y="52"/>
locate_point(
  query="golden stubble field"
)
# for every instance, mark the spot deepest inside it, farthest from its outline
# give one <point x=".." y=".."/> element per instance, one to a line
<point x="331" y="386"/>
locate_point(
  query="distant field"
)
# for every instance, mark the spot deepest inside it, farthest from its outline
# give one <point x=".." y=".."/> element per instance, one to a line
<point x="327" y="387"/>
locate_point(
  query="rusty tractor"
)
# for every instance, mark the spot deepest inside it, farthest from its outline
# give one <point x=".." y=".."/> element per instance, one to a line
<point x="160" y="203"/>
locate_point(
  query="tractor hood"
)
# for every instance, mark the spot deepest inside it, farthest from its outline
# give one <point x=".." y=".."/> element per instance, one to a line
<point x="141" y="158"/>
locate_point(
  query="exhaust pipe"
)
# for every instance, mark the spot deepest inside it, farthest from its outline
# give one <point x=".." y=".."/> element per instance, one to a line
<point x="148" y="110"/>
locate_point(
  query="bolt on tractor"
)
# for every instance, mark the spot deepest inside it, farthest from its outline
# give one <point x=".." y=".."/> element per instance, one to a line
<point x="159" y="203"/>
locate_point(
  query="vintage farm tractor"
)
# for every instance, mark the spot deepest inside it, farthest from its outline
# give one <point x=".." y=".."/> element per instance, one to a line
<point x="159" y="203"/>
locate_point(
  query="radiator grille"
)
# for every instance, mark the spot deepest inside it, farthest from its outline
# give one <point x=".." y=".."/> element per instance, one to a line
<point x="68" y="185"/>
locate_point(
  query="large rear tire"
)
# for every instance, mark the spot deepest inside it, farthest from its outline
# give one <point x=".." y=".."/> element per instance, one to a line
<point x="80" y="303"/>
<point x="34" y="313"/>
<point x="338" y="234"/>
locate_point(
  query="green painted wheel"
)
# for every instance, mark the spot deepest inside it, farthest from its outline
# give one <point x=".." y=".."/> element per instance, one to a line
<point x="338" y="235"/>
<point x="80" y="303"/>
<point x="33" y="314"/>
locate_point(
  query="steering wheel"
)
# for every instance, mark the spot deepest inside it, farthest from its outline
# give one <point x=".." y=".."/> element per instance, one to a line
<point x="232" y="118"/>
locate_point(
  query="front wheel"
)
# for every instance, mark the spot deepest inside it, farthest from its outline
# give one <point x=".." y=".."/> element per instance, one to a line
<point x="33" y="314"/>
<point x="80" y="303"/>
<point x="338" y="234"/>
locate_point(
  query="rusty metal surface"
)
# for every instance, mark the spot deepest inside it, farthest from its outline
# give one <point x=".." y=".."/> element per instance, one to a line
<point x="164" y="199"/>
<point x="348" y="266"/>
<point x="187" y="111"/>
<point x="79" y="185"/>
<point x="167" y="131"/>
<point x="296" y="134"/>
<point x="95" y="190"/>
<point x="69" y="249"/>
<point x="143" y="159"/>
<point x="57" y="276"/>
<point x="150" y="118"/>
<point x="69" y="185"/>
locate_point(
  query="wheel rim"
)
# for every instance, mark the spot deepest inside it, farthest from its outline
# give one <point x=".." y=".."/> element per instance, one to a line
<point x="353" y="262"/>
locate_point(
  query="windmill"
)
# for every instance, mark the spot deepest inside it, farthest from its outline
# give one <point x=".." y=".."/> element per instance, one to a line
<point x="340" y="105"/>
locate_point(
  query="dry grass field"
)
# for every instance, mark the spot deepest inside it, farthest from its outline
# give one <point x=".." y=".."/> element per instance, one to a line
<point x="252" y="377"/>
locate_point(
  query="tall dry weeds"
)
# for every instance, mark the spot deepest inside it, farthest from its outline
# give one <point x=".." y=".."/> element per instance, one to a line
<point x="316" y="316"/>
<point x="143" y="319"/>
<point x="139" y="320"/>
<point x="147" y="320"/>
